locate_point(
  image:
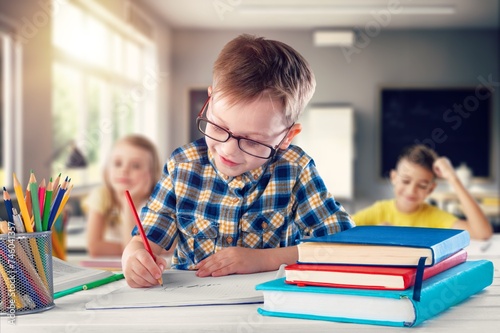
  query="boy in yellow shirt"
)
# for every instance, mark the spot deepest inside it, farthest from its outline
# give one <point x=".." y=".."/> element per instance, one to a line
<point x="414" y="179"/>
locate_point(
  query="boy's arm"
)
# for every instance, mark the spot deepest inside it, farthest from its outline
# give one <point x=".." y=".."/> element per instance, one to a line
<point x="241" y="260"/>
<point x="476" y="224"/>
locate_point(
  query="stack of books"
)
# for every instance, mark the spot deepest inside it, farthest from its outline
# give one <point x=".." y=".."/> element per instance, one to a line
<point x="384" y="275"/>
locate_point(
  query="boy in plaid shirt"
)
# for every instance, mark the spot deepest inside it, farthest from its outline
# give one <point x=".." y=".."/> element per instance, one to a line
<point x="239" y="199"/>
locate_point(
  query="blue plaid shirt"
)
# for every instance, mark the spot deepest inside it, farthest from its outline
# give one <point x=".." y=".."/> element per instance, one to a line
<point x="272" y="206"/>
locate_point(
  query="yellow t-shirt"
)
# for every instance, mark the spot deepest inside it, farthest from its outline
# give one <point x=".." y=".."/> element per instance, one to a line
<point x="385" y="213"/>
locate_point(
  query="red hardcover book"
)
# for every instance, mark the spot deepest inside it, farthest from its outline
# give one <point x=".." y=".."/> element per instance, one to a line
<point x="365" y="277"/>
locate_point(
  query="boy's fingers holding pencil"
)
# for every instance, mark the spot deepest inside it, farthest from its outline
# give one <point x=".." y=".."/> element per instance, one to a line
<point x="143" y="271"/>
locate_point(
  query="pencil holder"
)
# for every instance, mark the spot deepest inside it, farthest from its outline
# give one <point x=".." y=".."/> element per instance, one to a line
<point x="25" y="273"/>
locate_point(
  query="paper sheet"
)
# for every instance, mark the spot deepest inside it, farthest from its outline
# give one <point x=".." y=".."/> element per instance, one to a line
<point x="184" y="288"/>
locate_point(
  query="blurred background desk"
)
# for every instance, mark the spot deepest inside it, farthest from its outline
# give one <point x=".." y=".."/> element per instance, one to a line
<point x="488" y="201"/>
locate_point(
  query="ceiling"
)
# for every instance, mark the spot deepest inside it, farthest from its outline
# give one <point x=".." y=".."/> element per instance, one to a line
<point x="311" y="14"/>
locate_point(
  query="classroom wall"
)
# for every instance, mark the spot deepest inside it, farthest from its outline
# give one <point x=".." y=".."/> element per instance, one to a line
<point x="423" y="58"/>
<point x="33" y="22"/>
<point x="34" y="30"/>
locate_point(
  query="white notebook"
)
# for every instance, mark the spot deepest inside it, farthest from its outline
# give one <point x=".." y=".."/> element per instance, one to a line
<point x="184" y="288"/>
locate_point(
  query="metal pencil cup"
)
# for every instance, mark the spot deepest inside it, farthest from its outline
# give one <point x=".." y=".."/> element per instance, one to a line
<point x="26" y="273"/>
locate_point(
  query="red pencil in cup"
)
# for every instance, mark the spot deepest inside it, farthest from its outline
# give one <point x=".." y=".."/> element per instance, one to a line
<point x="141" y="230"/>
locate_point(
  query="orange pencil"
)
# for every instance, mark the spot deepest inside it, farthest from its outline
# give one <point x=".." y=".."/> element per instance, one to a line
<point x="141" y="230"/>
<point x="27" y="199"/>
<point x="56" y="183"/>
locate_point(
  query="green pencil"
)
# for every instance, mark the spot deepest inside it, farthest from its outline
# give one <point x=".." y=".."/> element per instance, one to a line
<point x="46" y="206"/>
<point x="90" y="285"/>
<point x="35" y="203"/>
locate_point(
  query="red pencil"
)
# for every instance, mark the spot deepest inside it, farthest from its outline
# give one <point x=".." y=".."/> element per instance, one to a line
<point x="141" y="230"/>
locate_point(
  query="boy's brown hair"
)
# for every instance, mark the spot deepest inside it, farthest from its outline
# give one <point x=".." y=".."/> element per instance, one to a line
<point x="249" y="67"/>
<point x="420" y="155"/>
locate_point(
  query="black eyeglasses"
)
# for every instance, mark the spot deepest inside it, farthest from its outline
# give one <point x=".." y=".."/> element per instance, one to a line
<point x="251" y="147"/>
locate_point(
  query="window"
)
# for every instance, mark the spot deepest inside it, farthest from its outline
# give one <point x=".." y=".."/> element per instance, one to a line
<point x="99" y="64"/>
<point x="10" y="76"/>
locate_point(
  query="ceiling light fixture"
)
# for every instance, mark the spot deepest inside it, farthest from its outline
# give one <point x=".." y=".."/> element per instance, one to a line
<point x="343" y="10"/>
<point x="334" y="38"/>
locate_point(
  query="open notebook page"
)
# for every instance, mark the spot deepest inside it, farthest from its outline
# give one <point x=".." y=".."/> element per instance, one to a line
<point x="184" y="288"/>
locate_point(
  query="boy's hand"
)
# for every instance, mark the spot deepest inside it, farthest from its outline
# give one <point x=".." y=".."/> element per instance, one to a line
<point x="443" y="168"/>
<point x="139" y="268"/>
<point x="231" y="260"/>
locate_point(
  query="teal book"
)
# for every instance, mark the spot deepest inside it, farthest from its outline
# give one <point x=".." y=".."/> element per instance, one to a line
<point x="377" y="307"/>
<point x="383" y="245"/>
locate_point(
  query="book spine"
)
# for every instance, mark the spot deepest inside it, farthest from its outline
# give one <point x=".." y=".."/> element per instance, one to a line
<point x="439" y="296"/>
<point x="450" y="246"/>
<point x="335" y="319"/>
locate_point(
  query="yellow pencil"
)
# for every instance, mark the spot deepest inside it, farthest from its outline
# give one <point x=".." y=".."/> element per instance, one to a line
<point x="57" y="247"/>
<point x="22" y="205"/>
<point x="63" y="202"/>
<point x="17" y="297"/>
<point x="29" y="228"/>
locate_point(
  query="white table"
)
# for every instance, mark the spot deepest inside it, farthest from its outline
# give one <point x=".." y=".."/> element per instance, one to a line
<point x="478" y="314"/>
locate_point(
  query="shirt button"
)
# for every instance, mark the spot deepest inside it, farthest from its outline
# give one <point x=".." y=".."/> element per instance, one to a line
<point x="264" y="225"/>
<point x="229" y="239"/>
<point x="238" y="178"/>
<point x="255" y="177"/>
<point x="194" y="230"/>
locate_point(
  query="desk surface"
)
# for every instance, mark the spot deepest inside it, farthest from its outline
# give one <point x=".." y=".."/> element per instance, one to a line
<point x="480" y="313"/>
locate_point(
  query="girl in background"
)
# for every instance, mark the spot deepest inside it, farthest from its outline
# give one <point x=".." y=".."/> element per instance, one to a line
<point x="133" y="165"/>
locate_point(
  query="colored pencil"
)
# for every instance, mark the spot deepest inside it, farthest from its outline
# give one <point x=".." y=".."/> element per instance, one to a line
<point x="57" y="247"/>
<point x="89" y="285"/>
<point x="35" y="203"/>
<point x="56" y="204"/>
<point x="47" y="204"/>
<point x="63" y="202"/>
<point x="17" y="298"/>
<point x="28" y="201"/>
<point x="8" y="205"/>
<point x="4" y="227"/>
<point x="141" y="230"/>
<point x="18" y="222"/>
<point x="55" y="186"/>
<point x="33" y="275"/>
<point x="41" y="196"/>
<point x="22" y="204"/>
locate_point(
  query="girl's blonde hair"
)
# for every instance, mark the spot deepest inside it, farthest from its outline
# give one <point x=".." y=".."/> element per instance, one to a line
<point x="144" y="143"/>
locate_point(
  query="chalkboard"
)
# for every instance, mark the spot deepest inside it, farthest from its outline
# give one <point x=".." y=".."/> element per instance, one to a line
<point x="455" y="122"/>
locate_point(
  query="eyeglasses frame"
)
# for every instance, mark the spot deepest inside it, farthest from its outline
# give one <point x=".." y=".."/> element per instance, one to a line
<point x="274" y="149"/>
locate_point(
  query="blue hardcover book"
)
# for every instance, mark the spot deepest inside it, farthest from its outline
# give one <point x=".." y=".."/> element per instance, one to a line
<point x="377" y="307"/>
<point x="384" y="245"/>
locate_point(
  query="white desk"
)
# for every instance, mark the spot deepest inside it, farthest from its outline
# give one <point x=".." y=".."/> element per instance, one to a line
<point x="478" y="314"/>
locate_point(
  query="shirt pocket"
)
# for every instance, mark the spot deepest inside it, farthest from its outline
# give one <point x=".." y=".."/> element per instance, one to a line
<point x="262" y="230"/>
<point x="197" y="239"/>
